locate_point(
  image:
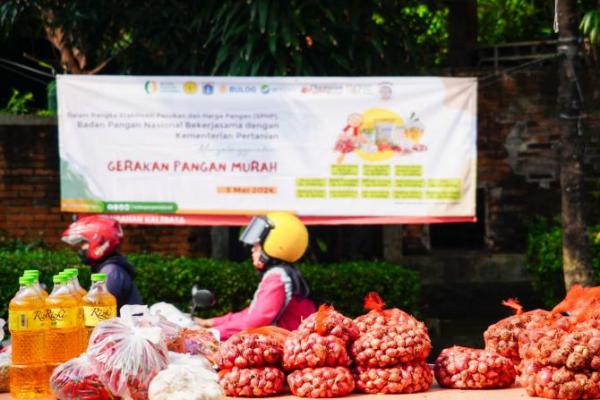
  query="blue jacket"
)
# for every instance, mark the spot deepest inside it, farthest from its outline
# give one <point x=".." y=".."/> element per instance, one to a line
<point x="119" y="279"/>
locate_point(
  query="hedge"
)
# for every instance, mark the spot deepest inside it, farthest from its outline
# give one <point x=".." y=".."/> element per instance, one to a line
<point x="544" y="258"/>
<point x="164" y="278"/>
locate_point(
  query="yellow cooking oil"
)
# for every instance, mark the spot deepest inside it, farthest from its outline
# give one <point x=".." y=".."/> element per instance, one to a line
<point x="28" y="325"/>
<point x="78" y="292"/>
<point x="36" y="283"/>
<point x="63" y="338"/>
<point x="98" y="304"/>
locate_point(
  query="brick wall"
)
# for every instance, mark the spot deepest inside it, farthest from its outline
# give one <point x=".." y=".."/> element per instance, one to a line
<point x="30" y="194"/>
<point x="517" y="171"/>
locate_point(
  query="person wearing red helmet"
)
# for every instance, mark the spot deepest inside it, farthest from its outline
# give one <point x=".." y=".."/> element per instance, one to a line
<point x="97" y="239"/>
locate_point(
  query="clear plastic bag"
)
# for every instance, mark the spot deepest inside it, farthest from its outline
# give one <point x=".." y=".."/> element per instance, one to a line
<point x="180" y="383"/>
<point x="78" y="379"/>
<point x="172" y="314"/>
<point x="4" y="372"/>
<point x="196" y="364"/>
<point x="126" y="355"/>
<point x="200" y="341"/>
<point x="170" y="332"/>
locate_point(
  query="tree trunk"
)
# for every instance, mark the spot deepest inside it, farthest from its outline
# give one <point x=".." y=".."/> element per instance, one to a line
<point x="576" y="252"/>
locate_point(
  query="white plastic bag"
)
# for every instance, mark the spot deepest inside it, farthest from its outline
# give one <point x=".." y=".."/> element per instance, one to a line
<point x="127" y="356"/>
<point x="170" y="332"/>
<point x="179" y="383"/>
<point x="198" y="365"/>
<point x="173" y="314"/>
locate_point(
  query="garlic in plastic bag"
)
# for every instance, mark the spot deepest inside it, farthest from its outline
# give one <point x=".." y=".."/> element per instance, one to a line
<point x="178" y="382"/>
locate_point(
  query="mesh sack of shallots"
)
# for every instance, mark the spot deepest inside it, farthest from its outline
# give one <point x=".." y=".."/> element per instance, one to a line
<point x="321" y="382"/>
<point x="311" y="350"/>
<point x="503" y="336"/>
<point x="577" y="348"/>
<point x="326" y="321"/>
<point x="387" y="346"/>
<point x="465" y="368"/>
<point x="252" y="382"/>
<point x="405" y="378"/>
<point x="388" y="337"/>
<point x="554" y="382"/>
<point x="378" y="316"/>
<point x="253" y="348"/>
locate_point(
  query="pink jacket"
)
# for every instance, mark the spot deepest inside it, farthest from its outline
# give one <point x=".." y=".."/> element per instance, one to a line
<point x="273" y="304"/>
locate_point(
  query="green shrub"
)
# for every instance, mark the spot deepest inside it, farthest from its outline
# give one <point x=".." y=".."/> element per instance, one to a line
<point x="164" y="278"/>
<point x="544" y="258"/>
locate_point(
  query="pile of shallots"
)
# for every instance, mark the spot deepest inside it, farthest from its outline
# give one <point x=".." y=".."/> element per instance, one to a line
<point x="391" y="350"/>
<point x="249" y="363"/>
<point x="561" y="355"/>
<point x="317" y="355"/>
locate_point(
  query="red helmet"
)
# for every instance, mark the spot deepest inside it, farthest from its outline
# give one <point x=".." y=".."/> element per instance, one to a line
<point x="102" y="233"/>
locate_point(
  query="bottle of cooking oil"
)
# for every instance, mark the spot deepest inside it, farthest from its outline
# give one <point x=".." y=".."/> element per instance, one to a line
<point x="78" y="292"/>
<point x="28" y="325"/>
<point x="98" y="304"/>
<point x="36" y="282"/>
<point x="63" y="338"/>
<point x="75" y="281"/>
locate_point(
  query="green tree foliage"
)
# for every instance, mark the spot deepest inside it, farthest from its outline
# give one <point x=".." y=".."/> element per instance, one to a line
<point x="545" y="259"/>
<point x="254" y="37"/>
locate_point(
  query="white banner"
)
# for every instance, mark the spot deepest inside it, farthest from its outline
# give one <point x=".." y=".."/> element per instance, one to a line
<point x="321" y="147"/>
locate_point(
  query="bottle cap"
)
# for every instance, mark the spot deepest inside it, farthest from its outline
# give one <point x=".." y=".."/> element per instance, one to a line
<point x="98" y="277"/>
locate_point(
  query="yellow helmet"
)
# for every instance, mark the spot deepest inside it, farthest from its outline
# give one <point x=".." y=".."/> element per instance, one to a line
<point x="282" y="235"/>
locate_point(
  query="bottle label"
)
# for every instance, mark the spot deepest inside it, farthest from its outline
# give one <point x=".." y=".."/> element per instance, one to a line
<point x="95" y="315"/>
<point x="63" y="317"/>
<point x="27" y="320"/>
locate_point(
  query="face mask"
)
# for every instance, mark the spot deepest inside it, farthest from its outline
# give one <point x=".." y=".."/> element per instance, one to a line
<point x="83" y="257"/>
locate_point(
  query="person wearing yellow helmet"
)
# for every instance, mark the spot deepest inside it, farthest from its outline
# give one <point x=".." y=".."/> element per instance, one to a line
<point x="278" y="240"/>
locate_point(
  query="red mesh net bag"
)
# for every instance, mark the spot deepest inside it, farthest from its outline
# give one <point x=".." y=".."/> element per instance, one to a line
<point x="252" y="382"/>
<point x="378" y="316"/>
<point x="326" y="321"/>
<point x="503" y="336"/>
<point x="554" y="382"/>
<point x="321" y="382"/>
<point x="385" y="346"/>
<point x="465" y="368"/>
<point x="253" y="348"/>
<point x="561" y="355"/>
<point x="311" y="350"/>
<point x="404" y="378"/>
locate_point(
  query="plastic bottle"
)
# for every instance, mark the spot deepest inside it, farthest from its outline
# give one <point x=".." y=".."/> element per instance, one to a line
<point x="63" y="338"/>
<point x="98" y="304"/>
<point x="75" y="281"/>
<point x="36" y="283"/>
<point x="28" y="326"/>
<point x="78" y="292"/>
